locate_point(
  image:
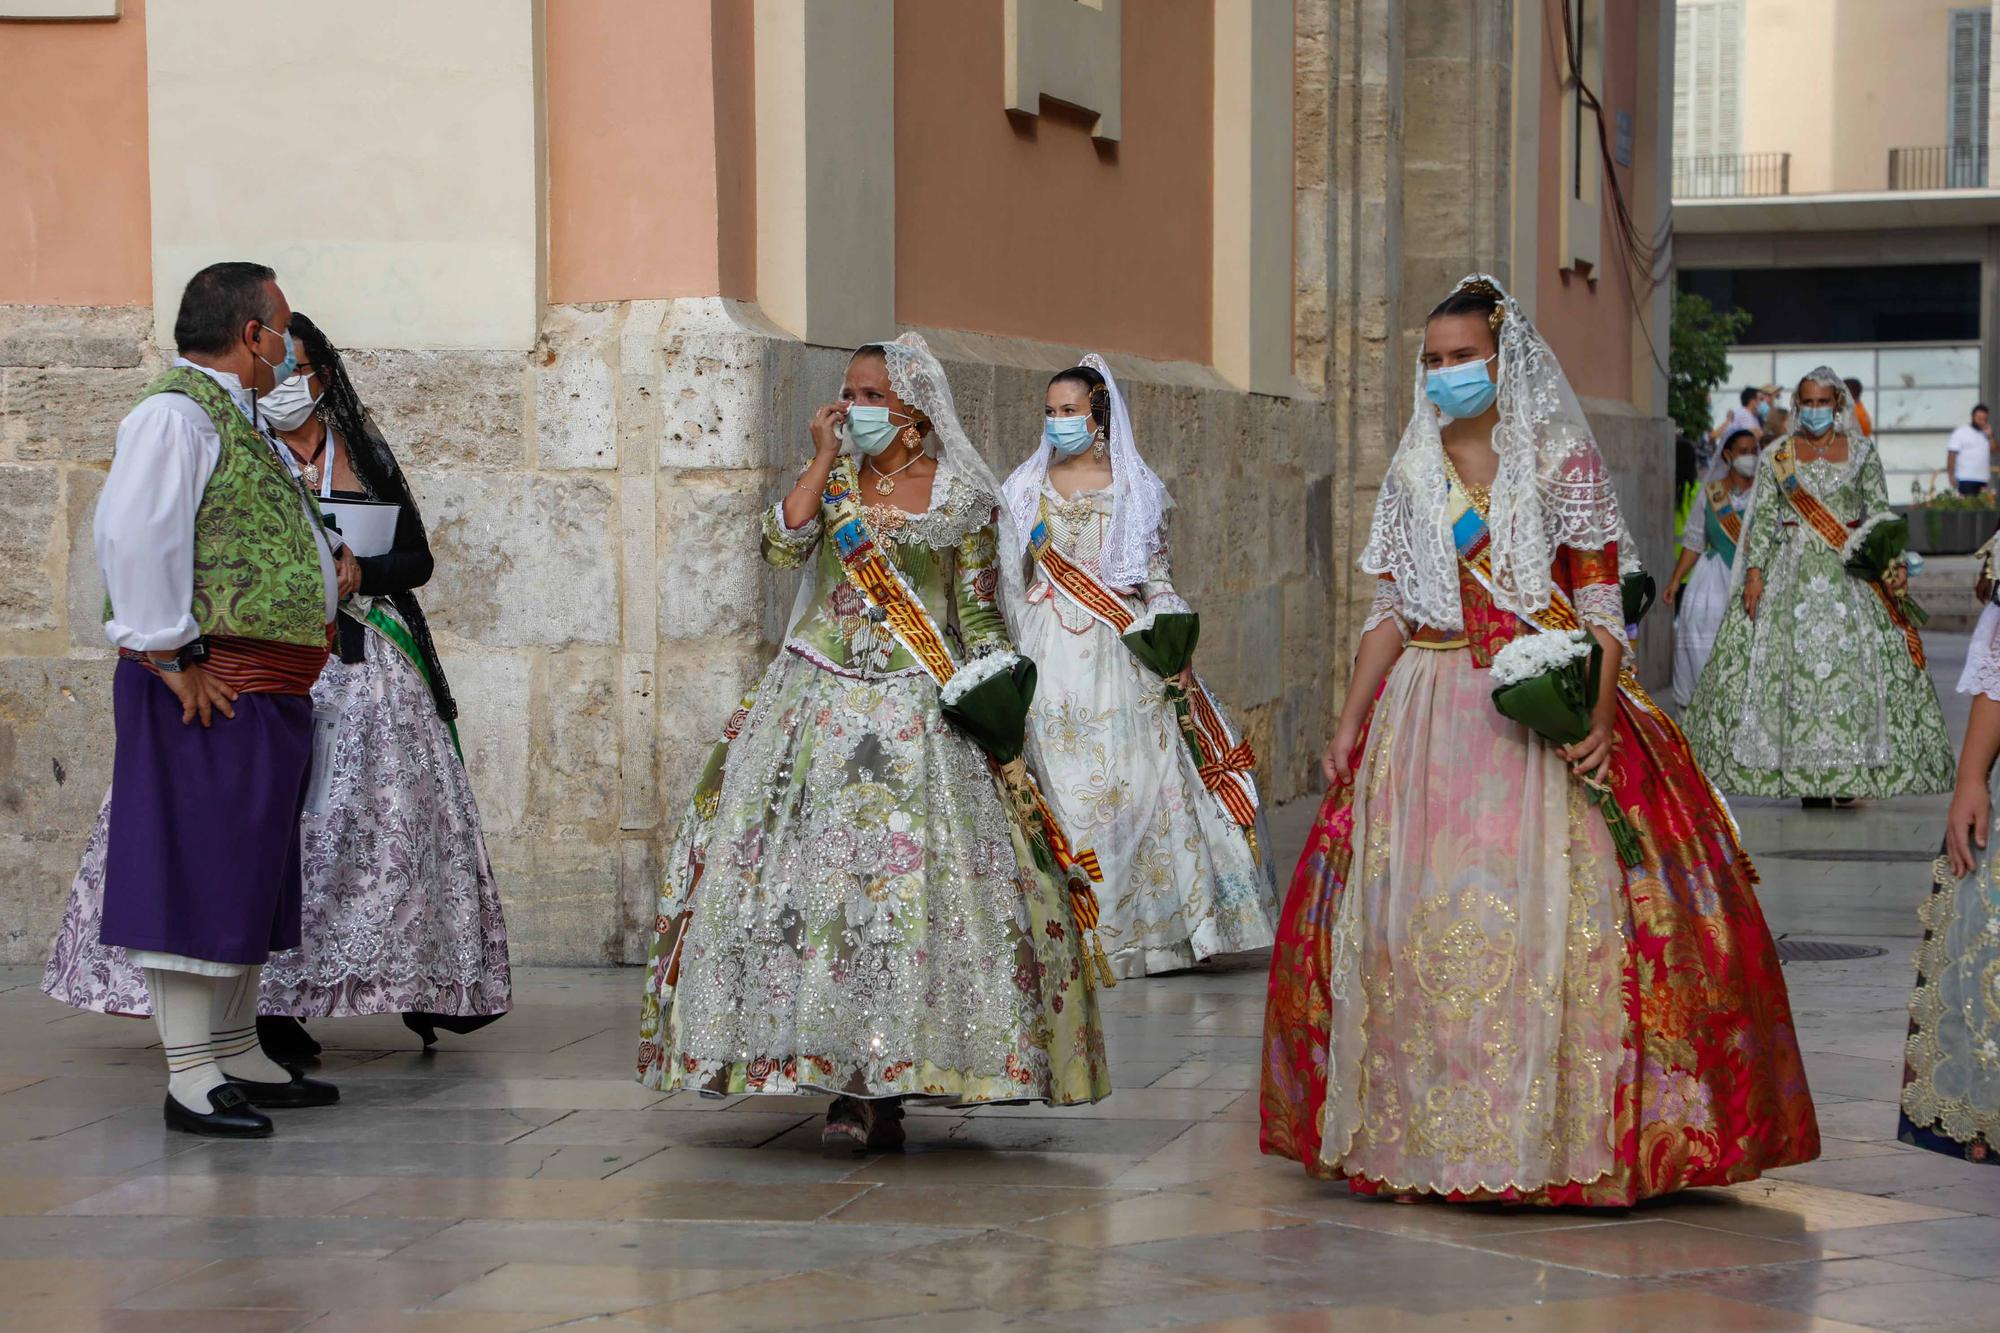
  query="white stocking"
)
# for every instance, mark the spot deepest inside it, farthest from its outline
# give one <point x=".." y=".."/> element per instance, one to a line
<point x="182" y="1006"/>
<point x="234" y="1027"/>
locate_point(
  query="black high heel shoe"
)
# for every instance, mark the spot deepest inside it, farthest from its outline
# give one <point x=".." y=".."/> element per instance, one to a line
<point x="426" y="1025"/>
<point x="284" y="1039"/>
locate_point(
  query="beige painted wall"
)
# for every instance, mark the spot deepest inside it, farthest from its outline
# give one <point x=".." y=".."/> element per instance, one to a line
<point x="987" y="235"/>
<point x="74" y="93"/>
<point x="413" y="219"/>
<point x="1838" y="83"/>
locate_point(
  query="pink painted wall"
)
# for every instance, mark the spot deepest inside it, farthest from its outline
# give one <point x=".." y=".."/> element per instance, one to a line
<point x="1590" y="324"/>
<point x="75" y="201"/>
<point x="983" y="238"/>
<point x="633" y="98"/>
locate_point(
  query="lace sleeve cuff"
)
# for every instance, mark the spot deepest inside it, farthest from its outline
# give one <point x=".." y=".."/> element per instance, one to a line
<point x="1388" y="606"/>
<point x="1602" y="605"/>
<point x="783" y="547"/>
<point x="1982" y="657"/>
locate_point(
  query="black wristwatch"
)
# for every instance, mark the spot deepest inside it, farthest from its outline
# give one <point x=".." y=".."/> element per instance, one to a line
<point x="193" y="653"/>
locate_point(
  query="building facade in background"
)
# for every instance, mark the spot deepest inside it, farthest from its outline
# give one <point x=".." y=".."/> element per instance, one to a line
<point x="1831" y="178"/>
<point x="597" y="260"/>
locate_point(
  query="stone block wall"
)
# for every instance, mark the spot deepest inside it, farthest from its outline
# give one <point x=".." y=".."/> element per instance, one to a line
<point x="599" y="602"/>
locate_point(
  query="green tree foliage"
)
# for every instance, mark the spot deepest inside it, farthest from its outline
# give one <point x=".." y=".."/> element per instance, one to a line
<point x="1698" y="359"/>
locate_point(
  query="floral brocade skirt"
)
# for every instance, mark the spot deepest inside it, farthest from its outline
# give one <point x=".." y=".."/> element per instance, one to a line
<point x="400" y="909"/>
<point x="1951" y="1059"/>
<point x="1471" y="998"/>
<point x="1182" y="880"/>
<point x="1819" y="695"/>
<point x="851" y="907"/>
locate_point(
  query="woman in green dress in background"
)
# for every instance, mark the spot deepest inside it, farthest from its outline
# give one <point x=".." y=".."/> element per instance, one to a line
<point x="858" y="902"/>
<point x="1817" y="686"/>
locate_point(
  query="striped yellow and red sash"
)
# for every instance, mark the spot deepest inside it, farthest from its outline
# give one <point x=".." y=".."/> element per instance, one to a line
<point x="876" y="577"/>
<point x="1724" y="520"/>
<point x="1475" y="551"/>
<point x="1227" y="764"/>
<point x="1827" y="526"/>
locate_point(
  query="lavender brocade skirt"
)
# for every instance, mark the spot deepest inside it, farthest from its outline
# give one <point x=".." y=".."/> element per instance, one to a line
<point x="400" y="909"/>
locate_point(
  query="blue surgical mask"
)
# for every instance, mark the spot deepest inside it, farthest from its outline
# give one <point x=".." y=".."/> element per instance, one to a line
<point x="1763" y="411"/>
<point x="1068" y="436"/>
<point x="1462" y="391"/>
<point x="286" y="367"/>
<point x="1816" y="420"/>
<point x="868" y="429"/>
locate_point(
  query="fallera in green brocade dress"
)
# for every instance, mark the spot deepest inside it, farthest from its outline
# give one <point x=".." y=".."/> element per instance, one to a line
<point x="850" y="905"/>
<point x="1817" y="696"/>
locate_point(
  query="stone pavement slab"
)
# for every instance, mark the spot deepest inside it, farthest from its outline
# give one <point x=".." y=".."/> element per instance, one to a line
<point x="517" y="1179"/>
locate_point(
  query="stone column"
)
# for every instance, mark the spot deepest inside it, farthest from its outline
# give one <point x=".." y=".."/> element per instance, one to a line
<point x="1365" y="245"/>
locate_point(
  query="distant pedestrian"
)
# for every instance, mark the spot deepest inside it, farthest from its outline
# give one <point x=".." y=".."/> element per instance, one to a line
<point x="1861" y="417"/>
<point x="1753" y="406"/>
<point x="1708" y="550"/>
<point x="1969" y="455"/>
<point x="1817" y="686"/>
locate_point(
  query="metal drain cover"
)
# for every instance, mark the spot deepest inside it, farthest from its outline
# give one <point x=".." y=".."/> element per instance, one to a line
<point x="1824" y="951"/>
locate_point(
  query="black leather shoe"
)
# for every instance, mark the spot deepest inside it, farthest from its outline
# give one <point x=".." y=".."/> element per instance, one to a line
<point x="426" y="1025"/>
<point x="284" y="1039"/>
<point x="301" y="1091"/>
<point x="231" y="1117"/>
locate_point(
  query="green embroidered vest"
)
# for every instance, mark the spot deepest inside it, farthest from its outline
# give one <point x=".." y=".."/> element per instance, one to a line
<point x="256" y="558"/>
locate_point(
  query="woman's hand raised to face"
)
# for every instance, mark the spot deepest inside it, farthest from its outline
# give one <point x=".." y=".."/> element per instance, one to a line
<point x="825" y="429"/>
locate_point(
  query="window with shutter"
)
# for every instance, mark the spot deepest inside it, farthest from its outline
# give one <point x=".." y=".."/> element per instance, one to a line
<point x="1968" y="101"/>
<point x="1708" y="74"/>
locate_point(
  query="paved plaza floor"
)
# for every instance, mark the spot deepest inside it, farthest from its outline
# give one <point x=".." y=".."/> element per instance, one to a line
<point x="518" y="1179"/>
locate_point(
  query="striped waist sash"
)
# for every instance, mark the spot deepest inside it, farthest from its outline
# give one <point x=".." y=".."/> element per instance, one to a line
<point x="255" y="666"/>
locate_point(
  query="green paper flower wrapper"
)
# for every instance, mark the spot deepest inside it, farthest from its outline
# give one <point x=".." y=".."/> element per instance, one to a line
<point x="1877" y="547"/>
<point x="1638" y="591"/>
<point x="1555" y="702"/>
<point x="988" y="700"/>
<point x="1164" y="643"/>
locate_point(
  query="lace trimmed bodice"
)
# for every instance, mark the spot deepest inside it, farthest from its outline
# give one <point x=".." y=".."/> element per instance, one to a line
<point x="1079" y="525"/>
<point x="948" y="556"/>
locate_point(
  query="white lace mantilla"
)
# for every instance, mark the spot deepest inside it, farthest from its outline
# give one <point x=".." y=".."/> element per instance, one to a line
<point x="1551" y="490"/>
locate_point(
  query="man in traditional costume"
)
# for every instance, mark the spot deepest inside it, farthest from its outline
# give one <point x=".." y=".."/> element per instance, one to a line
<point x="220" y="586"/>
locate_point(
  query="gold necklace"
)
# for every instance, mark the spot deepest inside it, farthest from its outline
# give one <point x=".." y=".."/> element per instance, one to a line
<point x="885" y="483"/>
<point x="1481" y="494"/>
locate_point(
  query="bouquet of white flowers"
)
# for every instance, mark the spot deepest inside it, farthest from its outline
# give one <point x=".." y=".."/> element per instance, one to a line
<point x="1547" y="682"/>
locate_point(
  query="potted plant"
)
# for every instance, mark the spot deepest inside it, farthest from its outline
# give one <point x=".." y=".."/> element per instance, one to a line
<point x="1943" y="522"/>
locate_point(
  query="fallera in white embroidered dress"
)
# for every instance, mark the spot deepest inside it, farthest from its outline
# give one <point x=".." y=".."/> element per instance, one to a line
<point x="1182" y="881"/>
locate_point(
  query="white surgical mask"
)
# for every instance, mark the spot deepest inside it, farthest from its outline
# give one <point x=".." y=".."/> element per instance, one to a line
<point x="1745" y="465"/>
<point x="287" y="406"/>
